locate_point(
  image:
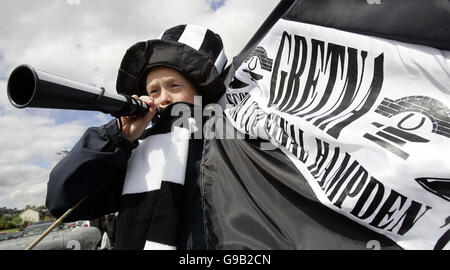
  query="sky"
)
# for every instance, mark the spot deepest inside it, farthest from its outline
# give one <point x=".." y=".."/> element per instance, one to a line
<point x="85" y="41"/>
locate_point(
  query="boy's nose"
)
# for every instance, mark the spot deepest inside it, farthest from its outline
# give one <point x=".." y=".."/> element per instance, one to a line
<point x="164" y="99"/>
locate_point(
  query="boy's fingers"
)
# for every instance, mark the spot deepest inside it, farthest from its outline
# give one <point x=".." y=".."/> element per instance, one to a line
<point x="151" y="104"/>
<point x="150" y="101"/>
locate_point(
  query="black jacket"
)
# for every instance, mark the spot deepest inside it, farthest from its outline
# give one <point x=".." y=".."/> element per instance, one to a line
<point x="97" y="167"/>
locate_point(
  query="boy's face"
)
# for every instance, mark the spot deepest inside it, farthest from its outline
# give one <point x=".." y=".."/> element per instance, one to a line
<point x="167" y="86"/>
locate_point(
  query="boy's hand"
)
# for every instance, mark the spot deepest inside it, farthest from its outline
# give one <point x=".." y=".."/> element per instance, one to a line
<point x="134" y="126"/>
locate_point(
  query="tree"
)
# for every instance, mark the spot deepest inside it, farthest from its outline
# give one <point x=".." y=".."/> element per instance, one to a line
<point x="3" y="220"/>
<point x="23" y="225"/>
<point x="17" y="220"/>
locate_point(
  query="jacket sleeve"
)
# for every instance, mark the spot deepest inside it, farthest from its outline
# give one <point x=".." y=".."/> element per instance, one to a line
<point x="96" y="166"/>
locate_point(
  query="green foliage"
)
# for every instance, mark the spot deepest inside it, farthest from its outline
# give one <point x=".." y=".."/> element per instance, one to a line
<point x="16" y="220"/>
<point x="8" y="222"/>
<point x="23" y="225"/>
<point x="10" y="230"/>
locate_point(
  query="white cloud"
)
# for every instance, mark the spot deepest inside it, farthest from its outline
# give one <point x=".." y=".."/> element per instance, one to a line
<point x="86" y="42"/>
<point x="29" y="143"/>
<point x="22" y="184"/>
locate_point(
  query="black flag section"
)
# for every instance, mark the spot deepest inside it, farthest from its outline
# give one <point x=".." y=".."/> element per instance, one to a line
<point x="256" y="199"/>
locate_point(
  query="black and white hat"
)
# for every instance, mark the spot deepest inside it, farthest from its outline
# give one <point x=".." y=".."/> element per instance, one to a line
<point x="194" y="51"/>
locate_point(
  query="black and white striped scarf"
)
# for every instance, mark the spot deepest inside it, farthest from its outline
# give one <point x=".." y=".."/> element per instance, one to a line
<point x="154" y="191"/>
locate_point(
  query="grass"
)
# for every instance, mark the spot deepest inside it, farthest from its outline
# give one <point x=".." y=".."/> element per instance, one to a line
<point x="10" y="230"/>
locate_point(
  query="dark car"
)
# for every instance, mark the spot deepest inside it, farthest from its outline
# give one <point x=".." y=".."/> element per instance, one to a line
<point x="17" y="234"/>
<point x="4" y="236"/>
<point x="38" y="229"/>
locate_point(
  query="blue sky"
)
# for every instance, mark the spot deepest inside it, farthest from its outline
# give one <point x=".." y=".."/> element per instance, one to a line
<point x="85" y="42"/>
<point x="216" y="4"/>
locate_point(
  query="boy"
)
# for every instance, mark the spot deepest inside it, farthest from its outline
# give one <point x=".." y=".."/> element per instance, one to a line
<point x="152" y="182"/>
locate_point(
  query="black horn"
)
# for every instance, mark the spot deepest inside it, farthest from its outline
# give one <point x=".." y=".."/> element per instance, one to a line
<point x="29" y="87"/>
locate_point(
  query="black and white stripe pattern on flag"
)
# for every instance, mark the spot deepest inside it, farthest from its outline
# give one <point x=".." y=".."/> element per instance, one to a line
<point x="153" y="190"/>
